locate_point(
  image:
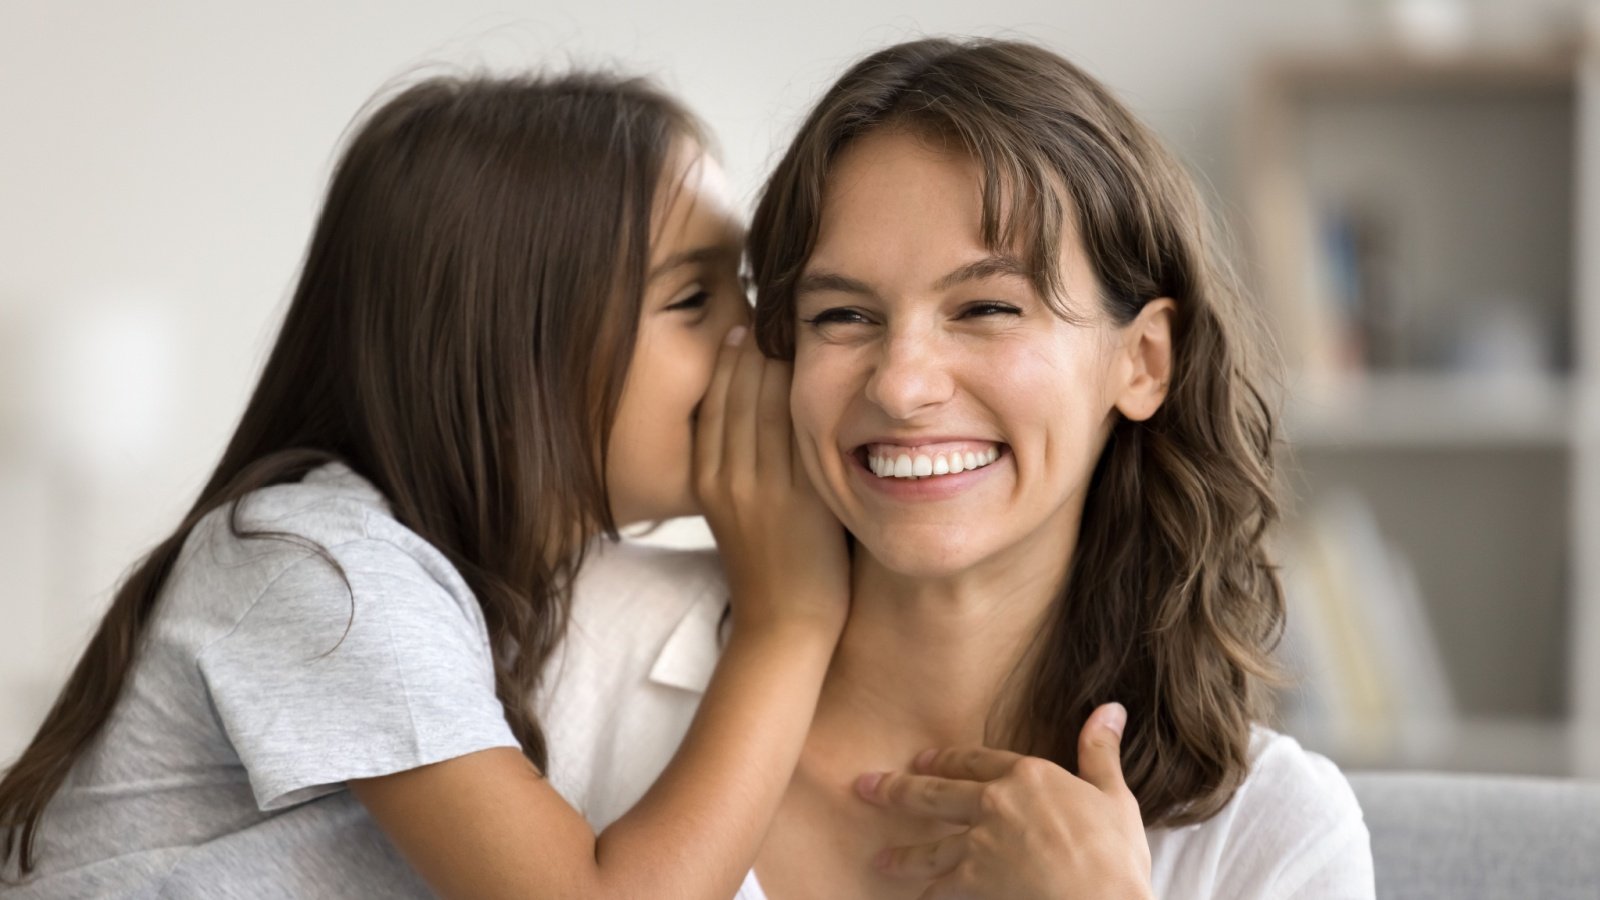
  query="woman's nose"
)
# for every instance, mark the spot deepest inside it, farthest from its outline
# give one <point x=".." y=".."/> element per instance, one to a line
<point x="910" y="376"/>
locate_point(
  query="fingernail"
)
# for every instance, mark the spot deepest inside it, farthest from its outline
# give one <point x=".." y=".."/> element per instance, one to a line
<point x="867" y="784"/>
<point x="1115" y="718"/>
<point x="736" y="335"/>
<point x="925" y="759"/>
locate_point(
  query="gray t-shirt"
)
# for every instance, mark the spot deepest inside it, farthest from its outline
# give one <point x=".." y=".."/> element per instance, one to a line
<point x="262" y="685"/>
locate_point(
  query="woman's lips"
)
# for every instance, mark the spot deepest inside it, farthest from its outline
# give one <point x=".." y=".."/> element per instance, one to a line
<point x="929" y="460"/>
<point x="935" y="484"/>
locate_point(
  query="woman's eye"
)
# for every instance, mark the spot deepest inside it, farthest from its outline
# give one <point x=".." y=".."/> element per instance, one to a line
<point x="988" y="308"/>
<point x="837" y="316"/>
<point x="696" y="300"/>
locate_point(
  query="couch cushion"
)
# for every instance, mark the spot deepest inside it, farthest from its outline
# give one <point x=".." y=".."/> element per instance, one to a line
<point x="1463" y="837"/>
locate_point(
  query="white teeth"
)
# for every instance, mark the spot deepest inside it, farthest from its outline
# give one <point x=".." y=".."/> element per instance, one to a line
<point x="906" y="465"/>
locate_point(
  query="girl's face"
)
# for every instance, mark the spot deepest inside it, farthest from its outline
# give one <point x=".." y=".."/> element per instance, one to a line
<point x="692" y="297"/>
<point x="921" y="352"/>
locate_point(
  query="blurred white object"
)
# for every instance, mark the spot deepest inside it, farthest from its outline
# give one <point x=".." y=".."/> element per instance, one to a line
<point x="91" y="397"/>
<point x="688" y="533"/>
<point x="1503" y="337"/>
<point x="103" y="384"/>
<point x="1431" y="27"/>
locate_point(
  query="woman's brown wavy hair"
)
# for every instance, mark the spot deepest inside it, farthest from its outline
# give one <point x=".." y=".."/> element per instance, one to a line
<point x="1171" y="605"/>
<point x="459" y="335"/>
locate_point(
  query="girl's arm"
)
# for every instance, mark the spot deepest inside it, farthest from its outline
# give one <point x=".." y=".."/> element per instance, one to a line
<point x="488" y="825"/>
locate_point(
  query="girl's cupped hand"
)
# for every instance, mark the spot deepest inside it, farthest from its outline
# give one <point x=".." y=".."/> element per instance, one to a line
<point x="1033" y="829"/>
<point x="782" y="549"/>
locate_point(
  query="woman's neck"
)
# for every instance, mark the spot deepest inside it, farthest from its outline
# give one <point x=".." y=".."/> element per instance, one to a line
<point x="923" y="662"/>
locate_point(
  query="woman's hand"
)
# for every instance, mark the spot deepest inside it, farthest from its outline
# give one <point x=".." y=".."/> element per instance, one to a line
<point x="783" y="550"/>
<point x="1033" y="828"/>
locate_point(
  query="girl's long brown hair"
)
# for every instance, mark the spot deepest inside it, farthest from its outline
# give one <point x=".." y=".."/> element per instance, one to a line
<point x="1171" y="605"/>
<point x="459" y="336"/>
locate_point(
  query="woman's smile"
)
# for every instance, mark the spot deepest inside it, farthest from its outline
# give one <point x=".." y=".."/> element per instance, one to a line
<point x="925" y="470"/>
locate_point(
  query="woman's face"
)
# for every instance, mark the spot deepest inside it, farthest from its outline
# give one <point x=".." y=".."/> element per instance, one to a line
<point x="947" y="415"/>
<point x="693" y="296"/>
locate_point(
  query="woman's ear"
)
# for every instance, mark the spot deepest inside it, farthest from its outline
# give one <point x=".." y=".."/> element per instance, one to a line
<point x="1145" y="354"/>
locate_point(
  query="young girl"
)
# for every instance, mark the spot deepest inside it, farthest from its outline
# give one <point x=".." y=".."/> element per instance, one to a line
<point x="1025" y="384"/>
<point x="515" y="299"/>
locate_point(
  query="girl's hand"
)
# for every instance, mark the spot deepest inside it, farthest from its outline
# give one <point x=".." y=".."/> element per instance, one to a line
<point x="783" y="550"/>
<point x="1033" y="828"/>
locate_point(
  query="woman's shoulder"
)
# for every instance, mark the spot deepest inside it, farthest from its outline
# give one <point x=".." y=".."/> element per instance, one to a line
<point x="620" y="572"/>
<point x="637" y="609"/>
<point x="1282" y="771"/>
<point x="622" y="687"/>
<point x="1292" y="828"/>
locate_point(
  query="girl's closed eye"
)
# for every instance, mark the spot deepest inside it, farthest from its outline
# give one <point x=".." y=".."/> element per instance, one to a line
<point x="694" y="301"/>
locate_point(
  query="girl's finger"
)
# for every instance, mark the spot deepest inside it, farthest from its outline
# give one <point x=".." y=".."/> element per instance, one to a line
<point x="948" y="800"/>
<point x="967" y="763"/>
<point x="739" y="418"/>
<point x="772" y="422"/>
<point x="713" y="407"/>
<point x="934" y="860"/>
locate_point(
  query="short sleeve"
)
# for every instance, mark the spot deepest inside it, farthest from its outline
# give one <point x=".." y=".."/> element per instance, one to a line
<point x="321" y="682"/>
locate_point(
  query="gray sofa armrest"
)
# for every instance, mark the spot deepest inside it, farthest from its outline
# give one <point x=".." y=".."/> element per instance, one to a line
<point x="1464" y="837"/>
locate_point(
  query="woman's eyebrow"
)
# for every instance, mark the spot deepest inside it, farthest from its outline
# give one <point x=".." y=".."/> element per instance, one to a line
<point x="824" y="282"/>
<point x="988" y="267"/>
<point x="710" y="253"/>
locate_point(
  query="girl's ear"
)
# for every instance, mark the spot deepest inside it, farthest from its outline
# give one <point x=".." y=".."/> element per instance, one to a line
<point x="1145" y="357"/>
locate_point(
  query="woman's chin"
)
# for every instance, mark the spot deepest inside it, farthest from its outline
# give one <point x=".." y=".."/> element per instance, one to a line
<point x="924" y="556"/>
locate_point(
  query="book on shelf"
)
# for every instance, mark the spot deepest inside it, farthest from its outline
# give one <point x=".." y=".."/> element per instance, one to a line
<point x="1371" y="681"/>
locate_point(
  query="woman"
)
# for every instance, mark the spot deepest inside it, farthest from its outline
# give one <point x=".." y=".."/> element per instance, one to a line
<point x="508" y="338"/>
<point x="1025" y="386"/>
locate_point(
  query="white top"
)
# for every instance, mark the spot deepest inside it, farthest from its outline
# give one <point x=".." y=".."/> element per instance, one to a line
<point x="644" y="641"/>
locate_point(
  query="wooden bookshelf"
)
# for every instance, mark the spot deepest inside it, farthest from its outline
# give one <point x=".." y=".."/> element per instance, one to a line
<point x="1426" y="238"/>
<point x="1420" y="410"/>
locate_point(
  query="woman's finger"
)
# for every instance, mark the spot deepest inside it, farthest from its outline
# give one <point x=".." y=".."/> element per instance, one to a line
<point x="927" y="796"/>
<point x="967" y="763"/>
<point x="934" y="860"/>
<point x="1100" y="748"/>
<point x="714" y="405"/>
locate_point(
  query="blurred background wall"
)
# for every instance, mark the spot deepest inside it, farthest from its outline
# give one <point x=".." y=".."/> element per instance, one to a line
<point x="1406" y="181"/>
